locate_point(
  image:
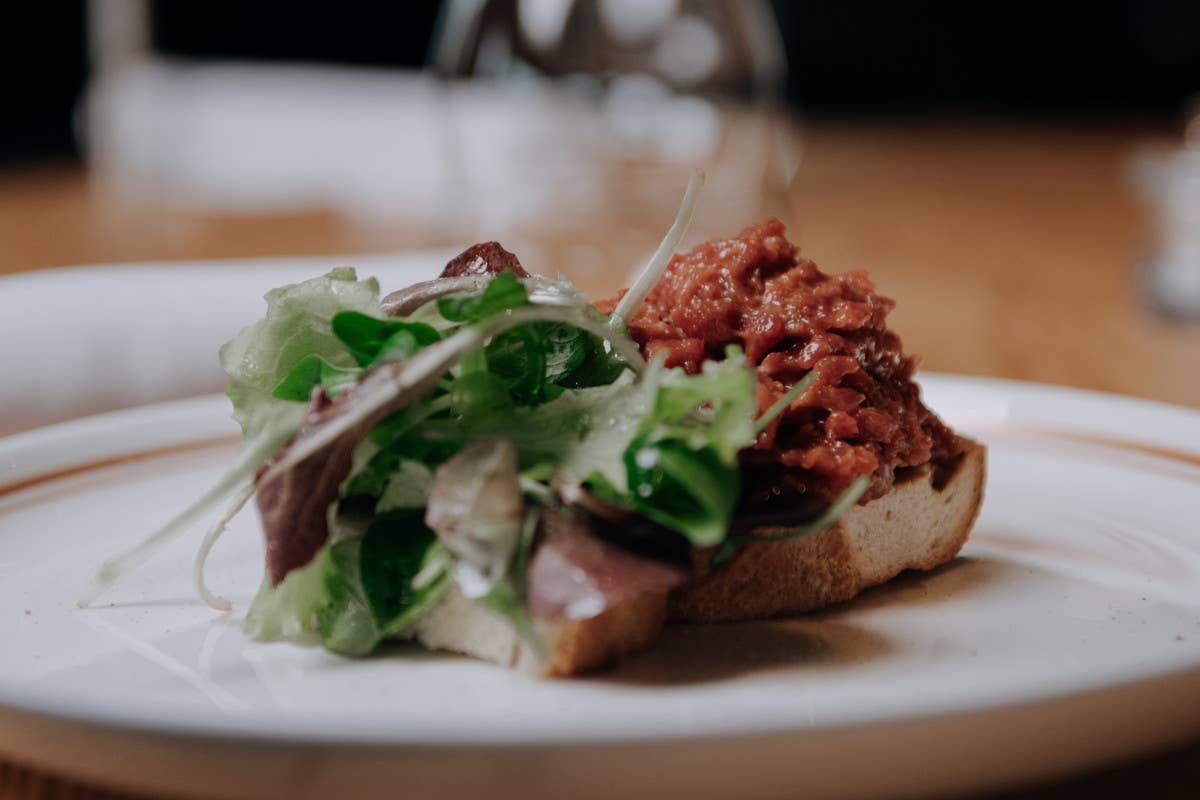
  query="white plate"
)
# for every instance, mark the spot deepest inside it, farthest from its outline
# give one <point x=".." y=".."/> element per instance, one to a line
<point x="152" y="329"/>
<point x="1067" y="634"/>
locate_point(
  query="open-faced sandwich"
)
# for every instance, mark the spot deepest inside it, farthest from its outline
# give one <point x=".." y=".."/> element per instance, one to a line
<point x="489" y="463"/>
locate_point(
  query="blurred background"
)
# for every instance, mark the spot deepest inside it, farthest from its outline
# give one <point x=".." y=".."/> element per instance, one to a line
<point x="1022" y="177"/>
<point x="1019" y="176"/>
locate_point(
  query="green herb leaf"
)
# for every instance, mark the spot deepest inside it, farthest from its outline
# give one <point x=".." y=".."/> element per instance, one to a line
<point x="289" y="610"/>
<point x="713" y="409"/>
<point x="600" y="365"/>
<point x="372" y="340"/>
<point x="346" y="623"/>
<point x="314" y="371"/>
<point x="518" y="356"/>
<point x="679" y="457"/>
<point x="394" y="551"/>
<point x="566" y="348"/>
<point x="296" y="325"/>
<point x="407" y="487"/>
<point x="690" y="491"/>
<point x="356" y="592"/>
<point x="503" y="292"/>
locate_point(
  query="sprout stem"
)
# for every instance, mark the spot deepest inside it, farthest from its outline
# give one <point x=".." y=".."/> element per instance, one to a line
<point x="206" y="546"/>
<point x="783" y="403"/>
<point x="657" y="264"/>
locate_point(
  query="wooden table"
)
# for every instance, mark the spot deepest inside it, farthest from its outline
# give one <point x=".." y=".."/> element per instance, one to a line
<point x="1012" y="251"/>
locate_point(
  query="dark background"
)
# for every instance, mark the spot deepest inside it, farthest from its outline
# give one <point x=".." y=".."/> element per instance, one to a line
<point x="846" y="58"/>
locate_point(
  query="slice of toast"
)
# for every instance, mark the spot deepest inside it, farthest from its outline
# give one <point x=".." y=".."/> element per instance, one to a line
<point x="463" y="626"/>
<point x="920" y="524"/>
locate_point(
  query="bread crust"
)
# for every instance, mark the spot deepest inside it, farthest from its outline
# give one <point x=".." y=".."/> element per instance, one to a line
<point x="461" y="625"/>
<point x="920" y="524"/>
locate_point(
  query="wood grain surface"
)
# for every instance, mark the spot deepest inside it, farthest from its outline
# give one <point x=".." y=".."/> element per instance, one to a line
<point x="1012" y="251"/>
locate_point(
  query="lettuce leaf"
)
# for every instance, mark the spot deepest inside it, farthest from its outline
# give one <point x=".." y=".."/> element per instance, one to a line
<point x="297" y="325"/>
<point x="313" y="371"/>
<point x="663" y="444"/>
<point x="356" y="592"/>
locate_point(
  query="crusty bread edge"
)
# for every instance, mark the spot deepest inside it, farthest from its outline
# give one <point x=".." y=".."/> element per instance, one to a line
<point x="921" y="524"/>
<point x="461" y="625"/>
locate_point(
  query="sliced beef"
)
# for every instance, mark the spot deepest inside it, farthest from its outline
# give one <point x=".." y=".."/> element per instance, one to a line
<point x="577" y="575"/>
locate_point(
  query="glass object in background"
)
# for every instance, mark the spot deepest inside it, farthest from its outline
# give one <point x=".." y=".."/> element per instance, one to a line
<point x="1170" y="181"/>
<point x="566" y="129"/>
<point x="583" y="120"/>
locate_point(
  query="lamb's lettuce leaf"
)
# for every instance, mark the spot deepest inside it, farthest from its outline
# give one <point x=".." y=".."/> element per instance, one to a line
<point x="503" y="292"/>
<point x="313" y="371"/>
<point x="371" y="340"/>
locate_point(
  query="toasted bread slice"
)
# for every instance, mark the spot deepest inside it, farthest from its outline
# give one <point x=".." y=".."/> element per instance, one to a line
<point x="463" y="626"/>
<point x="921" y="524"/>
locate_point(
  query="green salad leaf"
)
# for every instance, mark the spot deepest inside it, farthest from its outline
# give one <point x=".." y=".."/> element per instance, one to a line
<point x="680" y="462"/>
<point x="357" y="592"/>
<point x="599" y="366"/>
<point x="313" y="371"/>
<point x="503" y="292"/>
<point x="371" y="340"/>
<point x="297" y="325"/>
<point x="663" y="444"/>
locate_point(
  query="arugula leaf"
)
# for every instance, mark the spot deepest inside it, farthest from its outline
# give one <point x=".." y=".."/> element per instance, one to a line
<point x="680" y="460"/>
<point x="503" y="292"/>
<point x="288" y="610"/>
<point x="314" y="371"/>
<point x="535" y="359"/>
<point x="715" y="408"/>
<point x="371" y="340"/>
<point x="691" y="491"/>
